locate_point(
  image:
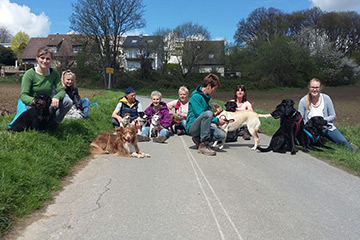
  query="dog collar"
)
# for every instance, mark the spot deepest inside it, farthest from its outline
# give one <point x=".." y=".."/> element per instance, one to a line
<point x="219" y="113"/>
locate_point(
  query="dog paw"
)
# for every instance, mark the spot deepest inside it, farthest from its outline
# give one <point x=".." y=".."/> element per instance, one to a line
<point x="253" y="148"/>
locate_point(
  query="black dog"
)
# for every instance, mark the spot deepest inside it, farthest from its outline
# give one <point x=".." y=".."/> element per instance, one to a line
<point x="230" y="106"/>
<point x="291" y="128"/>
<point x="37" y="117"/>
<point x="313" y="129"/>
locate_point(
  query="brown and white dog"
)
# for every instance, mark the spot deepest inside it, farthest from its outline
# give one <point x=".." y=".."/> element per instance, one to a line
<point x="174" y="120"/>
<point x="235" y="120"/>
<point x="125" y="122"/>
<point x="123" y="142"/>
<point x="155" y="122"/>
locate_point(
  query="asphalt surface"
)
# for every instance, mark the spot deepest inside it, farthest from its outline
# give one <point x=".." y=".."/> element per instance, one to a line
<point x="181" y="194"/>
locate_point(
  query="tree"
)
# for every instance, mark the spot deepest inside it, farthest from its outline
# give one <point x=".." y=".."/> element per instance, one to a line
<point x="5" y="35"/>
<point x="19" y="42"/>
<point x="7" y="56"/>
<point x="105" y="22"/>
<point x="262" y="25"/>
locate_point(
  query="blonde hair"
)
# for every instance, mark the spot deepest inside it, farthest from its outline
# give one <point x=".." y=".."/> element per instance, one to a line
<point x="308" y="96"/>
<point x="68" y="72"/>
<point x="184" y="89"/>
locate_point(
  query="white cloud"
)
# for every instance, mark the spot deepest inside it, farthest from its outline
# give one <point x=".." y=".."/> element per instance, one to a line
<point x="337" y="5"/>
<point x="18" y="18"/>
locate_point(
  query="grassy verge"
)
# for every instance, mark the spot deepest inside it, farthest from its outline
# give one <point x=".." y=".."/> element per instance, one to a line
<point x="33" y="163"/>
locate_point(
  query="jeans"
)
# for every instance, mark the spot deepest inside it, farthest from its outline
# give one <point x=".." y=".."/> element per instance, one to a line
<point x="163" y="132"/>
<point x="337" y="137"/>
<point x="202" y="128"/>
<point x="85" y="103"/>
<point x="181" y="126"/>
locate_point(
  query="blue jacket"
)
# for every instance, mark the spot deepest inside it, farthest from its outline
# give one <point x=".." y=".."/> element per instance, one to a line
<point x="198" y="104"/>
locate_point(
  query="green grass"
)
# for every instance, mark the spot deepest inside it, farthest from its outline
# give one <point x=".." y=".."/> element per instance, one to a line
<point x="33" y="163"/>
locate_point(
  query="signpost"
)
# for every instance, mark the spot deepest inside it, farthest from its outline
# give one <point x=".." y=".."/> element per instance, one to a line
<point x="109" y="71"/>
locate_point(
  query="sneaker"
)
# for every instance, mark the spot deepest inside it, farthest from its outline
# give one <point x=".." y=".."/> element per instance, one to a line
<point x="142" y="138"/>
<point x="159" y="139"/>
<point x="206" y="150"/>
<point x="180" y="132"/>
<point x="196" y="140"/>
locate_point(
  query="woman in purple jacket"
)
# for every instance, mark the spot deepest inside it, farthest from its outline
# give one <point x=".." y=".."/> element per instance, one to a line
<point x="157" y="107"/>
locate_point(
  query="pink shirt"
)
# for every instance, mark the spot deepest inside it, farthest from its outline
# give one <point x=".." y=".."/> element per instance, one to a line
<point x="243" y="106"/>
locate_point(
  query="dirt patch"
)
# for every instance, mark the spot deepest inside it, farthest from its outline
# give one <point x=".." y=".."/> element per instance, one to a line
<point x="10" y="93"/>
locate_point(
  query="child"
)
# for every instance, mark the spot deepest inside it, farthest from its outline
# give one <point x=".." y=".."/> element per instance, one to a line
<point x="68" y="82"/>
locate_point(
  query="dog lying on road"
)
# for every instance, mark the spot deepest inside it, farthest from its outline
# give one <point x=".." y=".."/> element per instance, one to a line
<point x="313" y="129"/>
<point x="291" y="127"/>
<point x="123" y="142"/>
<point x="237" y="119"/>
<point x="37" y="117"/>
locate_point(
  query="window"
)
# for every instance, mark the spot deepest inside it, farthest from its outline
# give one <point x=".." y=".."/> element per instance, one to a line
<point x="134" y="41"/>
<point x="76" y="48"/>
<point x="211" y="56"/>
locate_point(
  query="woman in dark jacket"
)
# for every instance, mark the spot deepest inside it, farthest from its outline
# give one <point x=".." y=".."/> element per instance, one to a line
<point x="68" y="81"/>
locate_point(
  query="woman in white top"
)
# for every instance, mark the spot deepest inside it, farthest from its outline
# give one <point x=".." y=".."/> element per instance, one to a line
<point x="319" y="104"/>
<point x="181" y="109"/>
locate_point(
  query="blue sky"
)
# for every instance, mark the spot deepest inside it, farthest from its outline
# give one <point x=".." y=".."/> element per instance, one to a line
<point x="38" y="18"/>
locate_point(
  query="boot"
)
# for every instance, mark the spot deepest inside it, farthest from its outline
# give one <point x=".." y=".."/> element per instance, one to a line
<point x="205" y="149"/>
<point x="246" y="135"/>
<point x="196" y="140"/>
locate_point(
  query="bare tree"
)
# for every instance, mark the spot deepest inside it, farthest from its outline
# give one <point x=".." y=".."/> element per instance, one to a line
<point x="105" y="21"/>
<point x="5" y="35"/>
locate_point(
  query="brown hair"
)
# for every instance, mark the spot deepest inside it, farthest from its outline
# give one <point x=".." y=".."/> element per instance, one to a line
<point x="308" y="96"/>
<point x="242" y="87"/>
<point x="44" y="50"/>
<point x="211" y="79"/>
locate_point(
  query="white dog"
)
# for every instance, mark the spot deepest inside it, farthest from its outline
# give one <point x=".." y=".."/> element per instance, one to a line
<point x="235" y="120"/>
<point x="155" y="122"/>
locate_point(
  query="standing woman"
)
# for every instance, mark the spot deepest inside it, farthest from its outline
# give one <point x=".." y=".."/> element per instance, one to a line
<point x="316" y="103"/>
<point x="43" y="79"/>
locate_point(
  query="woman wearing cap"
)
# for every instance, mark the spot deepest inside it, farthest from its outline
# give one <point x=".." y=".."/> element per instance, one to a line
<point x="127" y="104"/>
<point x="43" y="79"/>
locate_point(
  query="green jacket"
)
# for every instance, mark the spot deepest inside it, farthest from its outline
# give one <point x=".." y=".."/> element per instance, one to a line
<point x="198" y="104"/>
<point x="33" y="83"/>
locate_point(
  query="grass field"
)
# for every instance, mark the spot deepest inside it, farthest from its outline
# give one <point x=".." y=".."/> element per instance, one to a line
<point x="34" y="163"/>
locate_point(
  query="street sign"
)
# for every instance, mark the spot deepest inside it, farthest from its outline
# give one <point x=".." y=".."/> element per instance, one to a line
<point x="110" y="70"/>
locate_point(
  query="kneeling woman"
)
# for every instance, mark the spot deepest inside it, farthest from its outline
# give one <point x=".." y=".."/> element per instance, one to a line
<point x="157" y="107"/>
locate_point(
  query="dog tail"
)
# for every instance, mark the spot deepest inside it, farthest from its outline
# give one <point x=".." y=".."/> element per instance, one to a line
<point x="268" y="149"/>
<point x="264" y="115"/>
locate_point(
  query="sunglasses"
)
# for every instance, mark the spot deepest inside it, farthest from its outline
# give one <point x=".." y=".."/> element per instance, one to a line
<point x="67" y="71"/>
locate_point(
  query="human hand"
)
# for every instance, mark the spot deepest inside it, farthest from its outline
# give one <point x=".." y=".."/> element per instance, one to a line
<point x="221" y="121"/>
<point x="55" y="102"/>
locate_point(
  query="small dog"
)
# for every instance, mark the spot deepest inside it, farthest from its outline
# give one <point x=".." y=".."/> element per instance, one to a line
<point x="142" y="120"/>
<point x="37" y="117"/>
<point x="121" y="143"/>
<point x="291" y="128"/>
<point x="125" y="122"/>
<point x="174" y="120"/>
<point x="155" y="122"/>
<point x="313" y="129"/>
<point x="234" y="120"/>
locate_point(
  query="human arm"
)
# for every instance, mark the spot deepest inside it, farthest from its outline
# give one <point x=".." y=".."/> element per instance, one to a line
<point x="26" y="86"/>
<point x="116" y="112"/>
<point x="330" y="114"/>
<point x="171" y="105"/>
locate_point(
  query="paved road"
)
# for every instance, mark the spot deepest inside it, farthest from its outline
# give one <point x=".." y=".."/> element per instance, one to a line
<point x="180" y="194"/>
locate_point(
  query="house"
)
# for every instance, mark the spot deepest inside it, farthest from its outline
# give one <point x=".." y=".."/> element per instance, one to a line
<point x="140" y="51"/>
<point x="204" y="57"/>
<point x="65" y="47"/>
